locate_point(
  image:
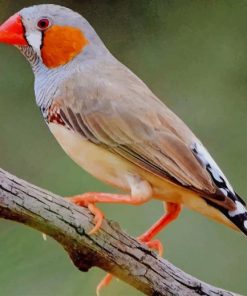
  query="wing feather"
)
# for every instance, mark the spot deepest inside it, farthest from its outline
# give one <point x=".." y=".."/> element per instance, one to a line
<point x="130" y="121"/>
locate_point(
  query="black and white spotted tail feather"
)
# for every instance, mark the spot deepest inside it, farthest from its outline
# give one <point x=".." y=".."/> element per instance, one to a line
<point x="238" y="216"/>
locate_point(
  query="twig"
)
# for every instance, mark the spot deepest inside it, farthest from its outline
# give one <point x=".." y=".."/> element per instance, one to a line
<point x="110" y="249"/>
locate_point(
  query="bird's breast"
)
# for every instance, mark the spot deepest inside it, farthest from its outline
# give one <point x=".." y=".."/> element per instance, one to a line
<point x="114" y="169"/>
<point x="110" y="167"/>
<point x="96" y="160"/>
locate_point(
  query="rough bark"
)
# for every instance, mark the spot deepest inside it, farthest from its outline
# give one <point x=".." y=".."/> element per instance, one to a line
<point x="110" y="249"/>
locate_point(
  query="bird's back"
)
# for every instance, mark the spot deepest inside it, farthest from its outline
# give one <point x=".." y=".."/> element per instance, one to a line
<point x="120" y="113"/>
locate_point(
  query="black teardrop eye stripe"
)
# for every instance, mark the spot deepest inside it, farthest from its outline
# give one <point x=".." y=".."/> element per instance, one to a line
<point x="24" y="30"/>
<point x="25" y="36"/>
<point x="42" y="39"/>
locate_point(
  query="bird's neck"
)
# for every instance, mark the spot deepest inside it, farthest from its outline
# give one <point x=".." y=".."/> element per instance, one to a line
<point x="46" y="81"/>
<point x="31" y="56"/>
<point x="46" y="86"/>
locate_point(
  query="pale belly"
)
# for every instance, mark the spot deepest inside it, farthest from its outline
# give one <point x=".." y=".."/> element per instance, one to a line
<point x="107" y="166"/>
<point x="114" y="169"/>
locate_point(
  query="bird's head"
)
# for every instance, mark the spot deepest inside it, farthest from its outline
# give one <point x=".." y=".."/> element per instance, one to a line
<point x="54" y="34"/>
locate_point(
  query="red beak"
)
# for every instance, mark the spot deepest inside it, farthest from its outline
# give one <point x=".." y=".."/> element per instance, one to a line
<point x="12" y="31"/>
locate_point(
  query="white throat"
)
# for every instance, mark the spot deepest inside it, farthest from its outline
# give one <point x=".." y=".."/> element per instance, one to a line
<point x="35" y="39"/>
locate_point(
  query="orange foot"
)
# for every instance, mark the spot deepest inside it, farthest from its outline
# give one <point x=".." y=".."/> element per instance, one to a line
<point x="98" y="214"/>
<point x="155" y="244"/>
<point x="90" y="198"/>
<point x="172" y="213"/>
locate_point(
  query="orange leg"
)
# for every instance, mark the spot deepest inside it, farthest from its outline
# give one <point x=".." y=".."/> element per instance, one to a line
<point x="90" y="198"/>
<point x="155" y="244"/>
<point x="172" y="213"/>
<point x="103" y="283"/>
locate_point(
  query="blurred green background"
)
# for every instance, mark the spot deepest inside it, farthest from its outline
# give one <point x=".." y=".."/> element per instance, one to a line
<point x="193" y="54"/>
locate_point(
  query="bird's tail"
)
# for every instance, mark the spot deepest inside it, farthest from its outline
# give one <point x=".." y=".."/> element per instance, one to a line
<point x="238" y="216"/>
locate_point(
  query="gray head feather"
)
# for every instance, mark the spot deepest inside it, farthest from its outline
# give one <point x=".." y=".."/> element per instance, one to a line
<point x="47" y="80"/>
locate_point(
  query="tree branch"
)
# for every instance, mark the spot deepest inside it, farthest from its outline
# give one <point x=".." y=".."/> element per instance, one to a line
<point x="110" y="249"/>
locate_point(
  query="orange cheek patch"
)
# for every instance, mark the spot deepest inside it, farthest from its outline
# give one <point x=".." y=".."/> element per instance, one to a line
<point x="61" y="44"/>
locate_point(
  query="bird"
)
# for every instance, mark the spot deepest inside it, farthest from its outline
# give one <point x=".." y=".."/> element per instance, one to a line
<point x="113" y="126"/>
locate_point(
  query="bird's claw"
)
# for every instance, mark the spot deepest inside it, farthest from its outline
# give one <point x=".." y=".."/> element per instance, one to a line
<point x="98" y="217"/>
<point x="98" y="214"/>
<point x="154" y="244"/>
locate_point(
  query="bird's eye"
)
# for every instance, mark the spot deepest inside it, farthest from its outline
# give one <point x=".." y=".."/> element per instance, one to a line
<point x="43" y="24"/>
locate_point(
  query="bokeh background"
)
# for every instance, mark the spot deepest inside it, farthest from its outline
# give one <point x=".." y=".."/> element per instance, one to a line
<point x="193" y="55"/>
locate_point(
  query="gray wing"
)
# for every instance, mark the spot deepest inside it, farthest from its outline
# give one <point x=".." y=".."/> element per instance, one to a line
<point x="125" y="117"/>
